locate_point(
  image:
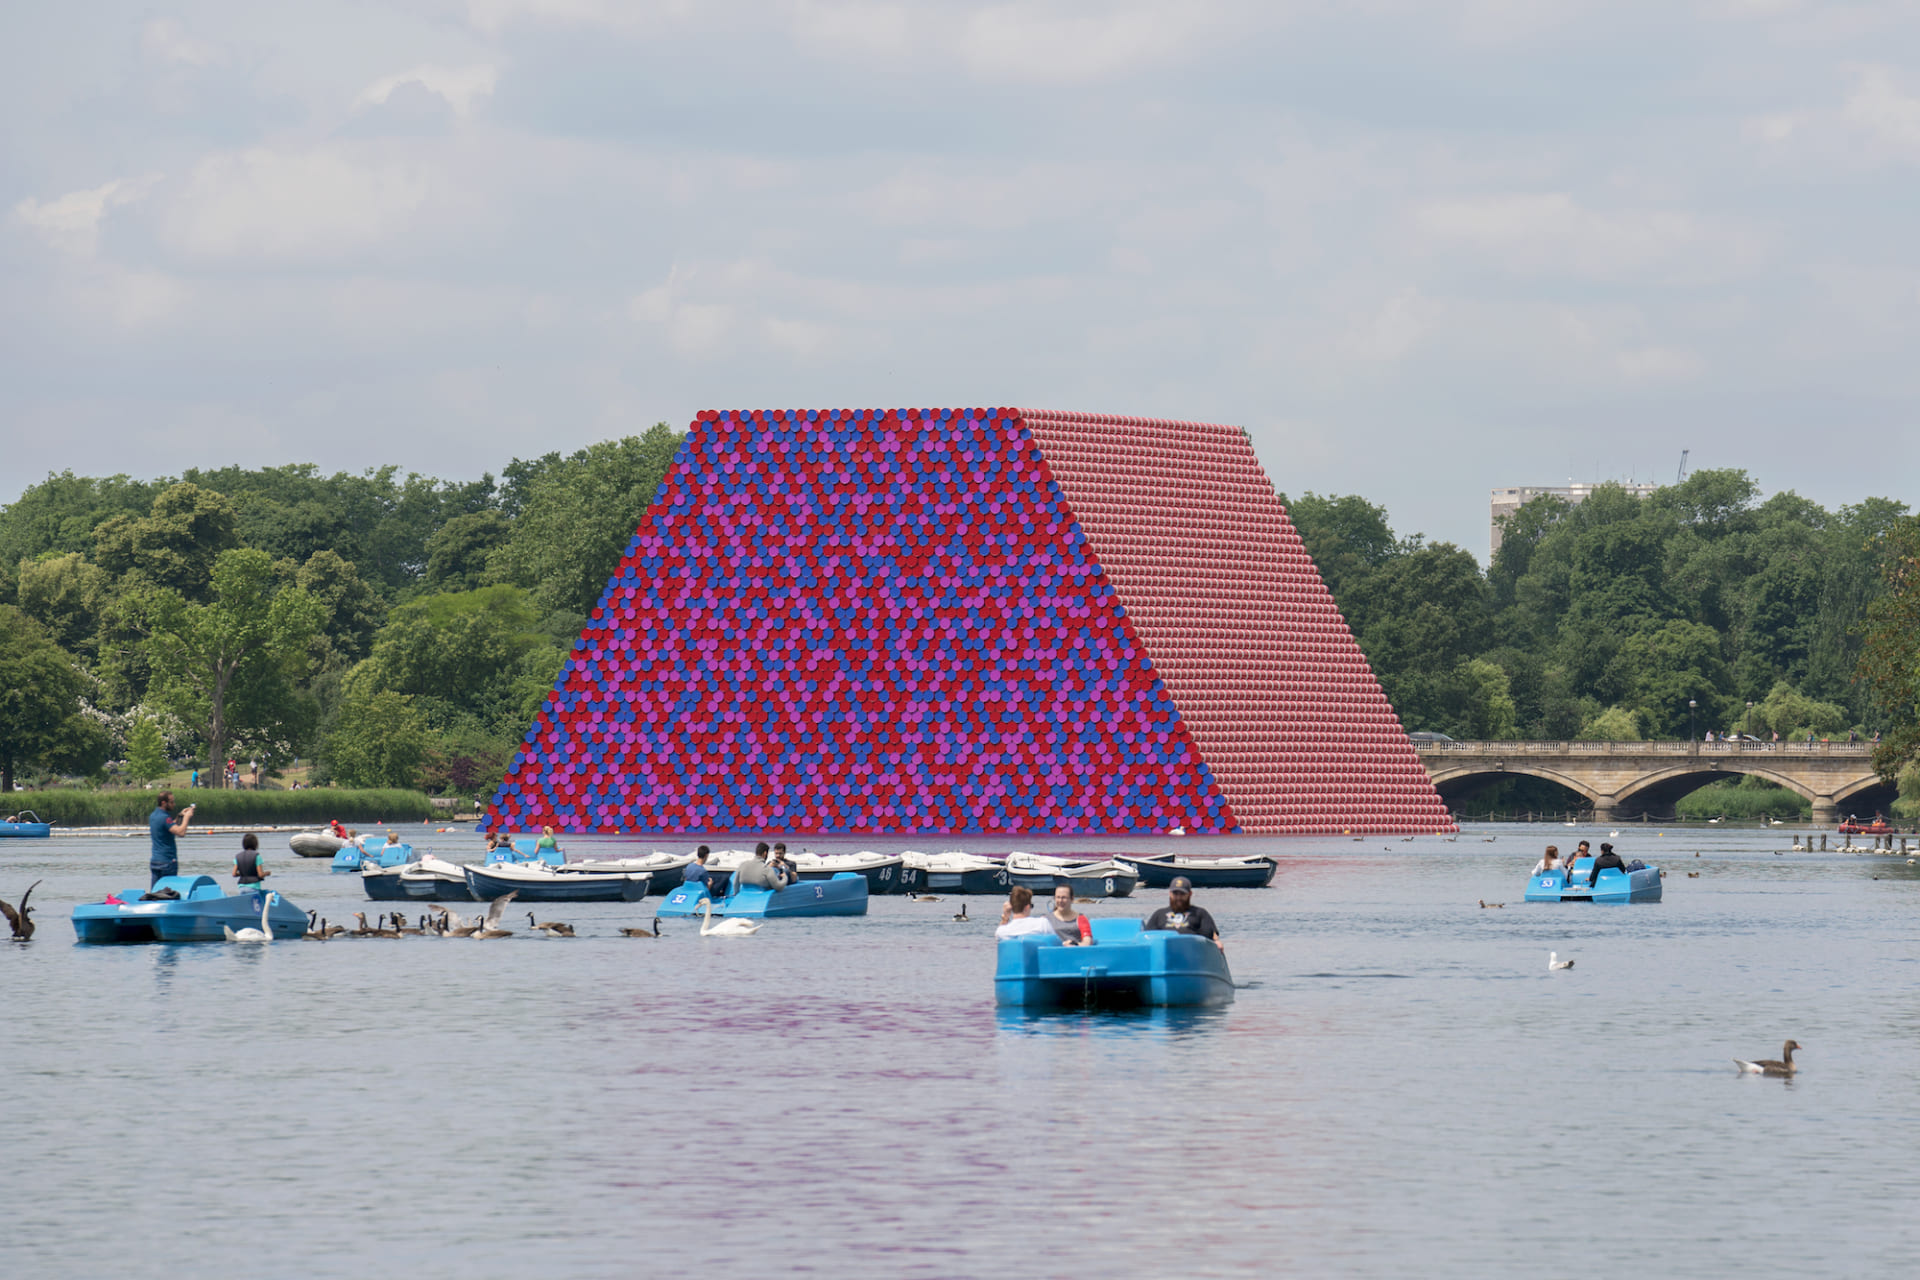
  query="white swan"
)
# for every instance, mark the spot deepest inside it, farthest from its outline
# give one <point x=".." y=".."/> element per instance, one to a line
<point x="726" y="928"/>
<point x="263" y="933"/>
<point x="1555" y="962"/>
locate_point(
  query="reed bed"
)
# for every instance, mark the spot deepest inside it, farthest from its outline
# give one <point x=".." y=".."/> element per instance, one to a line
<point x="79" y="808"/>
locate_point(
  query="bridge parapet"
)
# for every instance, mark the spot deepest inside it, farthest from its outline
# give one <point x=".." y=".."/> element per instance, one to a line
<point x="1622" y="777"/>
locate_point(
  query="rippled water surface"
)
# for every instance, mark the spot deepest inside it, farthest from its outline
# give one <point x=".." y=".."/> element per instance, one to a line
<point x="1401" y="1087"/>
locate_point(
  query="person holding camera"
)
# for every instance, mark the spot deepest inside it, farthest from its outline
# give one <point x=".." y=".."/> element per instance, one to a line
<point x="164" y="857"/>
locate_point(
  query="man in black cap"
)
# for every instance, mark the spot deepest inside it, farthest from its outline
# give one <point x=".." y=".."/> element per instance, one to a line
<point x="1181" y="916"/>
<point x="1608" y="858"/>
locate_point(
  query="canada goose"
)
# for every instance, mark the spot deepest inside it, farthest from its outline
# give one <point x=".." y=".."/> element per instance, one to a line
<point x="21" y="918"/>
<point x="1768" y="1066"/>
<point x="381" y="928"/>
<point x="552" y="928"/>
<point x="637" y="932"/>
<point x="1693" y="875"/>
<point x="263" y="933"/>
<point x="726" y="928"/>
<point x="1078" y="900"/>
<point x="401" y="927"/>
<point x="961" y="914"/>
<point x="365" y="930"/>
<point x="1485" y="904"/>
<point x="924" y="897"/>
<point x="316" y="928"/>
<point x="1555" y="962"/>
<point x="484" y="932"/>
<point x="496" y="907"/>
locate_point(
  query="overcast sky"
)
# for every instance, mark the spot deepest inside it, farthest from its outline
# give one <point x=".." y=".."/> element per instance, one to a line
<point x="1417" y="248"/>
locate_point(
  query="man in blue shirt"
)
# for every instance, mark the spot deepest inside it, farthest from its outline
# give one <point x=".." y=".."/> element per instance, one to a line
<point x="164" y="858"/>
<point x="697" y="870"/>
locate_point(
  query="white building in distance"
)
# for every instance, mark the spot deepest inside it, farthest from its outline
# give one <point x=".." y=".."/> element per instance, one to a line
<point x="1508" y="501"/>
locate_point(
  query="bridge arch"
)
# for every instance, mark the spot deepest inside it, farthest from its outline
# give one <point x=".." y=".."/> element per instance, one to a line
<point x="1672" y="783"/>
<point x="1459" y="778"/>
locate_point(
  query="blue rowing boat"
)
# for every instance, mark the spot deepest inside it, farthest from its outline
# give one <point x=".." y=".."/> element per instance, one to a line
<point x="1563" y="885"/>
<point x="1124" y="966"/>
<point x="201" y="912"/>
<point x="844" y="895"/>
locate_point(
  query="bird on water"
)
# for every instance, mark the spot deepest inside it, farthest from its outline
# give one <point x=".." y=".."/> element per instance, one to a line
<point x="21" y="917"/>
<point x="961" y="914"/>
<point x="726" y="928"/>
<point x="637" y="932"/>
<point x="1783" y="1066"/>
<point x="1484" y="904"/>
<point x="1555" y="962"/>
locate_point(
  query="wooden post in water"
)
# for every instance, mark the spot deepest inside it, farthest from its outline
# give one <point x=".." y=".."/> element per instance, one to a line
<point x="1823" y="842"/>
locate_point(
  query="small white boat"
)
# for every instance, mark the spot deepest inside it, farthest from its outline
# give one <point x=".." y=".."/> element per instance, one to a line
<point x="1088" y="878"/>
<point x="881" y="870"/>
<point x="426" y="878"/>
<point x="954" y="871"/>
<point x="315" y="844"/>
<point x="539" y="882"/>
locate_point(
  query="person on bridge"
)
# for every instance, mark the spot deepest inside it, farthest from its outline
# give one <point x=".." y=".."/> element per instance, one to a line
<point x="1607" y="859"/>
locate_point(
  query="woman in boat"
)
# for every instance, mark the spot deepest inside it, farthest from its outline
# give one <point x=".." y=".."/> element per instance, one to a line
<point x="1550" y="862"/>
<point x="546" y="840"/>
<point x="1064" y="919"/>
<point x="246" y="864"/>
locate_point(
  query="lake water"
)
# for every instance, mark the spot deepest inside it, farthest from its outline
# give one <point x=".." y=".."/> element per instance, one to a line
<point x="1401" y="1087"/>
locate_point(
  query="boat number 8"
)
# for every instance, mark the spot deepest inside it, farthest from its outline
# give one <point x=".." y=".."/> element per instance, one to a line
<point x="1109" y="888"/>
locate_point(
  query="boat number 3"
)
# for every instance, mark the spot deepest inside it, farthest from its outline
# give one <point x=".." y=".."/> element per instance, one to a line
<point x="1109" y="888"/>
<point x="1000" y="877"/>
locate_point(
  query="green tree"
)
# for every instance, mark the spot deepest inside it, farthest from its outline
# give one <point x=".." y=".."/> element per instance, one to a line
<point x="147" y="751"/>
<point x="67" y="596"/>
<point x="42" y="724"/>
<point x="475" y="655"/>
<point x="351" y="609"/>
<point x="1615" y="724"/>
<point x="1488" y="708"/>
<point x="175" y="545"/>
<point x="228" y="667"/>
<point x="581" y="516"/>
<point x="379" y="740"/>
<point x="1347" y="536"/>
<point x="458" y="552"/>
<point x="1661" y="666"/>
<point x="1792" y="714"/>
<point x="1890" y="659"/>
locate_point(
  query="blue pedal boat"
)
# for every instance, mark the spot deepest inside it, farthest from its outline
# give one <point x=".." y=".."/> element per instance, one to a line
<point x="1124" y="966"/>
<point x="353" y="857"/>
<point x="526" y="849"/>
<point x="25" y="825"/>
<point x="843" y="895"/>
<point x="1614" y="886"/>
<point x="202" y="913"/>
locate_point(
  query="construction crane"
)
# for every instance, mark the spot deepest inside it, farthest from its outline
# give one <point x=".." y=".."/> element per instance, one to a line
<point x="1680" y="476"/>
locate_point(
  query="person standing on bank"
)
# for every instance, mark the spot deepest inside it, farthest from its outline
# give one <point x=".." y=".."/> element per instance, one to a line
<point x="246" y="864"/>
<point x="1181" y="916"/>
<point x="163" y="859"/>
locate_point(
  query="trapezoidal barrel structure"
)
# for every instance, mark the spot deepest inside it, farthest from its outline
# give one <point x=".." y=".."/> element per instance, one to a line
<point x="966" y="620"/>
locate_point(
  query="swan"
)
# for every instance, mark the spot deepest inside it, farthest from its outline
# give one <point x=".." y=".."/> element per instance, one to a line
<point x="726" y="928"/>
<point x="263" y="933"/>
<point x="1613" y="835"/>
<point x="1555" y="962"/>
<point x="1768" y="1066"/>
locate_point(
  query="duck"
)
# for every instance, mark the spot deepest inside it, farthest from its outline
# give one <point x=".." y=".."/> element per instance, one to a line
<point x="1693" y="875"/>
<point x="1485" y="904"/>
<point x="961" y="914"/>
<point x="726" y="928"/>
<point x="21" y="917"/>
<point x="263" y="934"/>
<point x="1768" y="1066"/>
<point x="637" y="932"/>
<point x="1555" y="962"/>
<point x="552" y="928"/>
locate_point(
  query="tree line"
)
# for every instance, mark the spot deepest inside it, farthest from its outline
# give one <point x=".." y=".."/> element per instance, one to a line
<point x="403" y="631"/>
<point x="397" y="631"/>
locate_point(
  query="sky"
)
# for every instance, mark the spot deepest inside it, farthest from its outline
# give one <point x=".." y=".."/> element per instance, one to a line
<point x="1418" y="248"/>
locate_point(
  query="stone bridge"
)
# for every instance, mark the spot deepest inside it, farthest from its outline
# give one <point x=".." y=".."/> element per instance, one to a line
<point x="1626" y="779"/>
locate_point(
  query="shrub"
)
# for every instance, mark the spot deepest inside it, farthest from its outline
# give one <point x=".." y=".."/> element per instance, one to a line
<point x="77" y="808"/>
<point x="1746" y="797"/>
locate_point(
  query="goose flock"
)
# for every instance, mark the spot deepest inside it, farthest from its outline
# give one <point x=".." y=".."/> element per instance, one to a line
<point x="441" y="921"/>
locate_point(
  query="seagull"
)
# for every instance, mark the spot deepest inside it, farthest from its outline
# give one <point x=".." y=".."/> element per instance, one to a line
<point x="497" y="907"/>
<point x="263" y="933"/>
<point x="1768" y="1066"/>
<point x="1484" y="903"/>
<point x="1555" y="962"/>
<point x="726" y="928"/>
<point x="961" y="914"/>
<point x="22" y="918"/>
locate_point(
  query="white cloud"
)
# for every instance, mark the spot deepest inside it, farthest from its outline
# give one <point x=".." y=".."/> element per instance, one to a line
<point x="1552" y="232"/>
<point x="1878" y="106"/>
<point x="460" y="87"/>
<point x="278" y="204"/>
<point x="166" y="40"/>
<point x="1041" y="43"/>
<point x="1658" y="364"/>
<point x="71" y="223"/>
<point x="852" y="30"/>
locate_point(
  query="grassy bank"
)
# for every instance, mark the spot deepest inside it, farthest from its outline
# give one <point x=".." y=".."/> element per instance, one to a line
<point x="1745" y="798"/>
<point x="78" y="808"/>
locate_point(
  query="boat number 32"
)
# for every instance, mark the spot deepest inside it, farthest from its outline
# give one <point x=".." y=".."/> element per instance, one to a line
<point x="819" y="891"/>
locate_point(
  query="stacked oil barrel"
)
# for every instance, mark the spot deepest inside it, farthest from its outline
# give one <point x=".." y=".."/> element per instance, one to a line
<point x="964" y="620"/>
